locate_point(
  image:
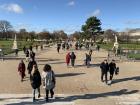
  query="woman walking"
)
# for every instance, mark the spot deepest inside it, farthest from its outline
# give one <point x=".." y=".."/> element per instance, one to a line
<point x="35" y="79"/>
<point x="21" y="70"/>
<point x="68" y="58"/>
<point x="48" y="78"/>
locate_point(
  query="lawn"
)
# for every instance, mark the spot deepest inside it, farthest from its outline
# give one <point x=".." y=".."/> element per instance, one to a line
<point x="135" y="56"/>
<point x="7" y="45"/>
<point x="122" y="46"/>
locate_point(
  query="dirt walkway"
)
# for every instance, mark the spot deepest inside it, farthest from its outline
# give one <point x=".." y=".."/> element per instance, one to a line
<point x="80" y="83"/>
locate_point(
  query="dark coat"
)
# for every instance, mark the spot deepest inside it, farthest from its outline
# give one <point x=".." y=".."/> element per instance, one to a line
<point x="104" y="67"/>
<point x="30" y="66"/>
<point x="68" y="58"/>
<point x="27" y="53"/>
<point x="35" y="80"/>
<point x="21" y="69"/>
<point x="32" y="55"/>
<point x="112" y="67"/>
<point x="73" y="56"/>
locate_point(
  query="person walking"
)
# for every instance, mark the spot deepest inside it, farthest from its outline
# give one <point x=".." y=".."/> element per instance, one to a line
<point x="32" y="55"/>
<point x="21" y="70"/>
<point x="49" y="81"/>
<point x="104" y="69"/>
<point x="36" y="47"/>
<point x="112" y="68"/>
<point x="87" y="60"/>
<point x="68" y="58"/>
<point x="98" y="47"/>
<point x="72" y="57"/>
<point x="63" y="46"/>
<point x="30" y="66"/>
<point x="27" y="55"/>
<point x="58" y="47"/>
<point x="24" y="49"/>
<point x="31" y="48"/>
<point x="41" y="46"/>
<point x="67" y="46"/>
<point x="16" y="52"/>
<point x="90" y="52"/>
<point x="35" y="81"/>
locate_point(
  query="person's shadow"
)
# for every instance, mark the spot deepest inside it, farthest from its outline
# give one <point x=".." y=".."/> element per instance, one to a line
<point x="136" y="78"/>
<point x="76" y="97"/>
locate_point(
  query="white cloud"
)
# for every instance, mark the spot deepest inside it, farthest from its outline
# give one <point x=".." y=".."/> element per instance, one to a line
<point x="12" y="8"/>
<point x="132" y="22"/>
<point x="71" y="3"/>
<point x="97" y="12"/>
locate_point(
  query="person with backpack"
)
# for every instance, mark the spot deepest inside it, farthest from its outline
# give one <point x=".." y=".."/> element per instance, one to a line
<point x="49" y="81"/>
<point x="21" y="70"/>
<point x="104" y="70"/>
<point x="112" y="69"/>
<point x="35" y="80"/>
<point x="72" y="57"/>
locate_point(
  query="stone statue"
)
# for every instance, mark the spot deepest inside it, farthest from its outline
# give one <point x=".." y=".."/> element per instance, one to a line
<point x="15" y="44"/>
<point x="116" y="45"/>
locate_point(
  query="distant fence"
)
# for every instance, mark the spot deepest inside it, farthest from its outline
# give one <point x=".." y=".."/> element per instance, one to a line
<point x="124" y="55"/>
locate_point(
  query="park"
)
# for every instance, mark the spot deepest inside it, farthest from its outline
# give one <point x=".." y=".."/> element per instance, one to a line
<point x="78" y="82"/>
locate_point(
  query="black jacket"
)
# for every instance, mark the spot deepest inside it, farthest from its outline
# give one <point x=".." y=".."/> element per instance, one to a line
<point x="73" y="56"/>
<point x="30" y="66"/>
<point x="104" y="67"/>
<point x="112" y="67"/>
<point x="35" y="80"/>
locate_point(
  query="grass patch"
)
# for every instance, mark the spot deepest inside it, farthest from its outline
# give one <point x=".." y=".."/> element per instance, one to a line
<point x="122" y="46"/>
<point x="7" y="45"/>
<point x="135" y="56"/>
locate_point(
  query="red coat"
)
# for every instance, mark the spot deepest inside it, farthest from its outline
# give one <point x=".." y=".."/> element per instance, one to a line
<point x="68" y="58"/>
<point x="21" y="69"/>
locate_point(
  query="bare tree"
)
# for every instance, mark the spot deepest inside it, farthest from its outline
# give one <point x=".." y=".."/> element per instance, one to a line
<point x="5" y="26"/>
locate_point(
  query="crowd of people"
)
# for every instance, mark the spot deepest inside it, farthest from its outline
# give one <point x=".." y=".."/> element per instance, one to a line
<point x="47" y="78"/>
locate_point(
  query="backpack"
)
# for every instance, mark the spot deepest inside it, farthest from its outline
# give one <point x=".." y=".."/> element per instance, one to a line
<point x="49" y="80"/>
<point x="117" y="71"/>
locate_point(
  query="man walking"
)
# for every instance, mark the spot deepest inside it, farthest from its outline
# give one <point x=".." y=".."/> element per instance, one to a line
<point x="104" y="69"/>
<point x="72" y="57"/>
<point x="112" y="68"/>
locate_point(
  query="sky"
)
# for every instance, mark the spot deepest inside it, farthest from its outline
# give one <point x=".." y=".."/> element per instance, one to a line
<point x="70" y="15"/>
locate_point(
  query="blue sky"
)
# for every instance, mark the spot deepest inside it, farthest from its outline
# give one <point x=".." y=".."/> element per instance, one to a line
<point x="69" y="15"/>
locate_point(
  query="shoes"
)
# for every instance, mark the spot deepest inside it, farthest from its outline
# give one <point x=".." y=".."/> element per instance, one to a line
<point x="39" y="95"/>
<point x="33" y="99"/>
<point x="102" y="80"/>
<point x="51" y="96"/>
<point x="47" y="99"/>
